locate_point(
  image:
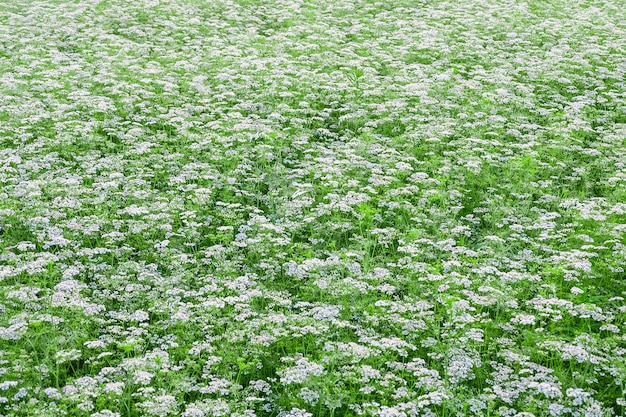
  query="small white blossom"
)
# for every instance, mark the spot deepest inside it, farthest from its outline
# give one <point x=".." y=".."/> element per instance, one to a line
<point x="302" y="370"/>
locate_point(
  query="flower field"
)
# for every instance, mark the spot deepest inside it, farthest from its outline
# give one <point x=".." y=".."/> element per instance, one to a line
<point x="313" y="208"/>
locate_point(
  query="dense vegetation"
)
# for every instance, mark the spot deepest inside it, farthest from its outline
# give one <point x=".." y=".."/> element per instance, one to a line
<point x="305" y="208"/>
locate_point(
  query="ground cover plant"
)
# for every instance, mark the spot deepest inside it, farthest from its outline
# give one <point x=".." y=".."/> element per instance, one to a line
<point x="305" y="208"/>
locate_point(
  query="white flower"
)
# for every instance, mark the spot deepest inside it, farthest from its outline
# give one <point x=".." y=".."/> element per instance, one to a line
<point x="610" y="328"/>
<point x="390" y="412"/>
<point x="576" y="291"/>
<point x="161" y="245"/>
<point x="524" y="319"/>
<point x="7" y="384"/>
<point x="52" y="393"/>
<point x="260" y="385"/>
<point x="63" y="356"/>
<point x="95" y="344"/>
<point x="309" y="396"/>
<point x="193" y="411"/>
<point x="114" y="387"/>
<point x="14" y="332"/>
<point x="105" y="413"/>
<point x="160" y="406"/>
<point x="140" y="315"/>
<point x="71" y="272"/>
<point x="578" y="395"/>
<point x="296" y="412"/>
<point x="142" y="377"/>
<point x="301" y="372"/>
<point x="325" y="313"/>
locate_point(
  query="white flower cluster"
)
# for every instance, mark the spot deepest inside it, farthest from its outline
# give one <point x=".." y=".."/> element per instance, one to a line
<point x="301" y="372"/>
<point x="295" y="412"/>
